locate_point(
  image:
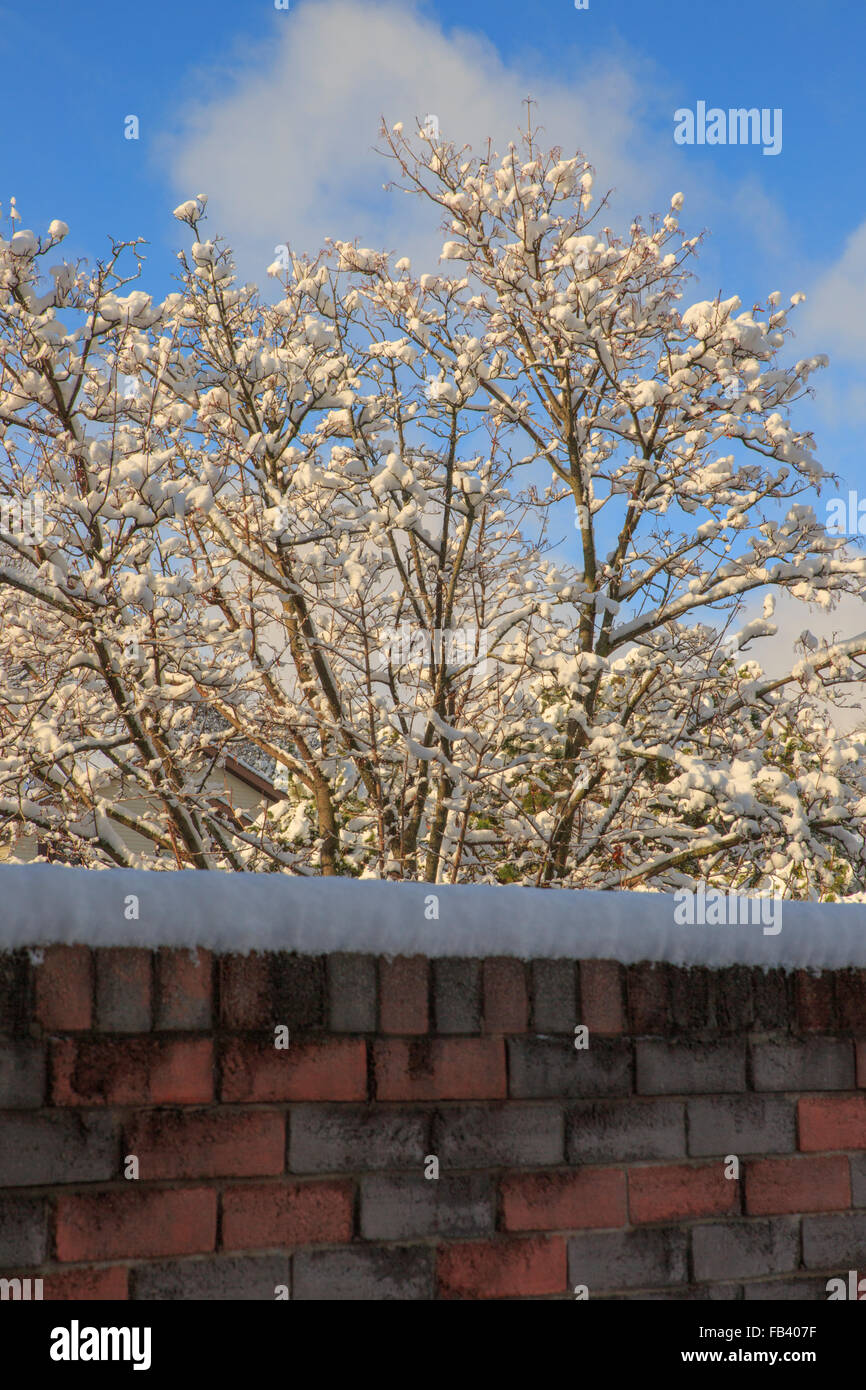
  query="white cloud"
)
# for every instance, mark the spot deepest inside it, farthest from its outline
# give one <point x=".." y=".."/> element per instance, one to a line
<point x="835" y="312"/>
<point x="833" y="320"/>
<point x="760" y="213"/>
<point x="285" y="146"/>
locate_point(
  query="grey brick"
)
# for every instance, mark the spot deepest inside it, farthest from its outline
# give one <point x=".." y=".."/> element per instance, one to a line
<point x="15" y="992"/>
<point x="820" y="1064"/>
<point x="628" y="1259"/>
<point x="548" y="1067"/>
<point x="22" y="1074"/>
<point x="352" y="1138"/>
<point x="475" y="1136"/>
<point x="351" y="993"/>
<point x="786" y="1289"/>
<point x="741" y="1249"/>
<point x="623" y="1131"/>
<point x="554" y="996"/>
<point x="395" y="1208"/>
<point x="707" y="1293"/>
<point x="297" y="990"/>
<point x="741" y="1125"/>
<point x="457" y="995"/>
<point x="60" y="1147"/>
<point x="772" y="991"/>
<point x="352" y="1274"/>
<point x="23" y="1232"/>
<point x="123" y="990"/>
<point x="690" y="999"/>
<point x="666" y="1069"/>
<point x="835" y="1242"/>
<point x="858" y="1180"/>
<point x="732" y="998"/>
<point x="241" y="1277"/>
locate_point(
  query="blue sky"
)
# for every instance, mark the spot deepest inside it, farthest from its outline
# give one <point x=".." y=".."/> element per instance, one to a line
<point x="95" y="63"/>
<point x="274" y="115"/>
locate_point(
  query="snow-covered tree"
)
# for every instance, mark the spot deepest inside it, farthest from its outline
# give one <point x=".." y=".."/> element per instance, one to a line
<point x="321" y="528"/>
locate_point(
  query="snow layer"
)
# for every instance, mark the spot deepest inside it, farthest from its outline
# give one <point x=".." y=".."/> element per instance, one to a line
<point x="44" y="904"/>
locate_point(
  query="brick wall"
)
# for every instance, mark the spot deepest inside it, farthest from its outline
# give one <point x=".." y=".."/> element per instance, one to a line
<point x="303" y="1167"/>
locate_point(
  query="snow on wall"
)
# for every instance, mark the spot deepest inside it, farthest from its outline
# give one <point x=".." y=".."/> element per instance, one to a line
<point x="42" y="904"/>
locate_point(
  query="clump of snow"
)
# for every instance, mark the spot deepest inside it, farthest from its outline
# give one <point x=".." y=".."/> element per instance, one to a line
<point x="23" y="243"/>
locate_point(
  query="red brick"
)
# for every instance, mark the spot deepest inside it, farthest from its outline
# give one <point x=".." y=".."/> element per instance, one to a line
<point x="267" y="1217"/>
<point x="814" y="1000"/>
<point x="135" y="1224"/>
<point x="440" y="1069"/>
<point x="777" y="1185"/>
<point x="133" y="1071"/>
<point x="601" y="997"/>
<point x="69" y="1285"/>
<point x="123" y="990"/>
<point x="564" y="1201"/>
<point x="183" y="993"/>
<point x="64" y="988"/>
<point x="245" y="991"/>
<point x="334" y="1069"/>
<point x="506" y="1005"/>
<point x="861" y="1063"/>
<point x="207" y="1143"/>
<point x="851" y="1000"/>
<point x="648" y="998"/>
<point x="674" y="1192"/>
<point x="502" y="1268"/>
<point x="832" y="1122"/>
<point x="403" y="999"/>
